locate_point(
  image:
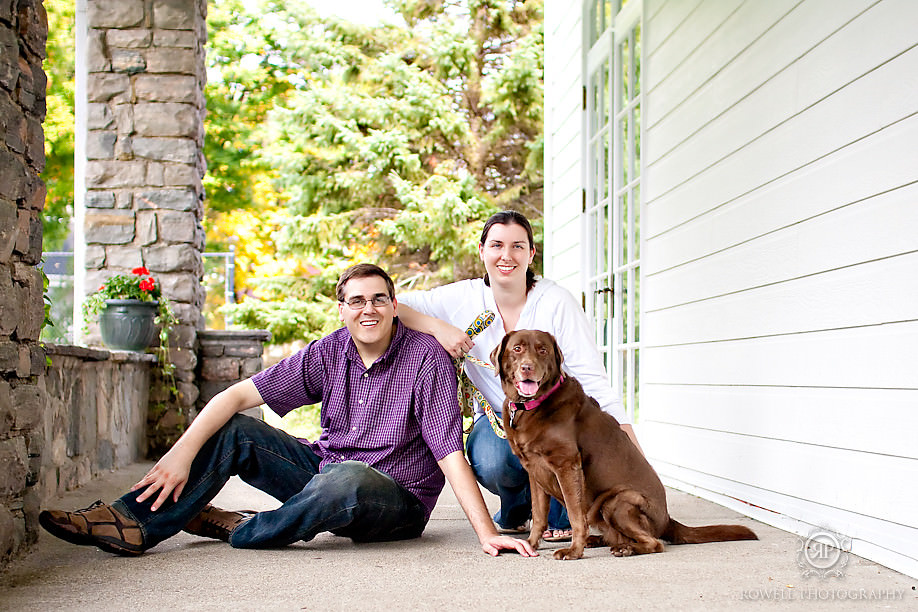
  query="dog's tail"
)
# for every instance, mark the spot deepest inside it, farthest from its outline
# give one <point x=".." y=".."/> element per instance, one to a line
<point x="677" y="533"/>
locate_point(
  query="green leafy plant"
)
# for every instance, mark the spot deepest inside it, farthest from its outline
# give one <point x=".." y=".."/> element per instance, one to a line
<point x="45" y="283"/>
<point x="138" y="285"/>
<point x="47" y="321"/>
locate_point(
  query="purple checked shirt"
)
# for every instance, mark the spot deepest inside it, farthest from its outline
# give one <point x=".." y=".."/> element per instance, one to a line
<point x="400" y="415"/>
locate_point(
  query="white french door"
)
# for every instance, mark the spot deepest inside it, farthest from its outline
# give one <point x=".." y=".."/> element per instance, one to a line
<point x="612" y="199"/>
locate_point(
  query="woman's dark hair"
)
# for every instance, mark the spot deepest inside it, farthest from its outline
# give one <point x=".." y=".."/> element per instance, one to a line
<point x="510" y="217"/>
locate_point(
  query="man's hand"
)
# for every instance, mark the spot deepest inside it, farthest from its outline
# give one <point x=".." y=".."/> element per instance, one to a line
<point x="169" y="475"/>
<point x="495" y="544"/>
<point x="462" y="480"/>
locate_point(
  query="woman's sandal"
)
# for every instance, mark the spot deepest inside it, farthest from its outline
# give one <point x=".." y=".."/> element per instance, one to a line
<point x="557" y="535"/>
<point x="524" y="528"/>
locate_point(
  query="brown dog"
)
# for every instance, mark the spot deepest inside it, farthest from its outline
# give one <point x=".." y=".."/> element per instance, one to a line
<point x="579" y="455"/>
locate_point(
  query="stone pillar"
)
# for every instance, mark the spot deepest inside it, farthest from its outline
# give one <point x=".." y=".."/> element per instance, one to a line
<point x="226" y="357"/>
<point x="144" y="169"/>
<point x="23" y="32"/>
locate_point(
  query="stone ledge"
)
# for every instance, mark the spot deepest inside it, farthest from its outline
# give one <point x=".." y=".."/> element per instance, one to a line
<point x="98" y="354"/>
<point x="80" y="352"/>
<point x="131" y="356"/>
<point x="233" y="335"/>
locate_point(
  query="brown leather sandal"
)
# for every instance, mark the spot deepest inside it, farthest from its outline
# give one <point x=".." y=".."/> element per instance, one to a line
<point x="97" y="525"/>
<point x="217" y="523"/>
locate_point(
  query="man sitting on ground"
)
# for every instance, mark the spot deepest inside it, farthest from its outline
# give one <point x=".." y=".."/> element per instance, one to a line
<point x="390" y="424"/>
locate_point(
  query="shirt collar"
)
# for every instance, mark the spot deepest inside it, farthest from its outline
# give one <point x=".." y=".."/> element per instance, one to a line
<point x="350" y="349"/>
<point x="534" y="295"/>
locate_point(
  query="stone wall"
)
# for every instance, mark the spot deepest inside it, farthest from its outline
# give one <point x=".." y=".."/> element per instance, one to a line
<point x="76" y="413"/>
<point x="88" y="413"/>
<point x="95" y="417"/>
<point x="23" y="32"/>
<point x="144" y="169"/>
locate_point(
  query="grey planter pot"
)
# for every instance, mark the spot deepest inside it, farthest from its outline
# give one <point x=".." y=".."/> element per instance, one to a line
<point x="127" y="325"/>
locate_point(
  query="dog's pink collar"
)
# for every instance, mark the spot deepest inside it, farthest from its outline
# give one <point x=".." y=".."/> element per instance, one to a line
<point x="533" y="403"/>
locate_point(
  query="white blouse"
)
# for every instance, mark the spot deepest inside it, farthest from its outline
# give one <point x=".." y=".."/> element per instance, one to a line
<point x="549" y="307"/>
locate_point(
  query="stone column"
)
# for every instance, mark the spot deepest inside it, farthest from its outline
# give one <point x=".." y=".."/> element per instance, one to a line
<point x="226" y="357"/>
<point x="144" y="169"/>
<point x="23" y="32"/>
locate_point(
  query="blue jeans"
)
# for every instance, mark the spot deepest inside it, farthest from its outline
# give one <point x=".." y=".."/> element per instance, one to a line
<point x="349" y="499"/>
<point x="500" y="472"/>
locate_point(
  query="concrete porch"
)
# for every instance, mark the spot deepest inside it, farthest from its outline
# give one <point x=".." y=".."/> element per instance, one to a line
<point x="442" y="570"/>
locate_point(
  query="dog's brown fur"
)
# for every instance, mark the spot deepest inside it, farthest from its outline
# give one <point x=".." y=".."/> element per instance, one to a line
<point x="579" y="454"/>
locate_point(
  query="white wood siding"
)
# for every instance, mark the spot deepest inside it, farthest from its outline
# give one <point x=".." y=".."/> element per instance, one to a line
<point x="780" y="262"/>
<point x="563" y="257"/>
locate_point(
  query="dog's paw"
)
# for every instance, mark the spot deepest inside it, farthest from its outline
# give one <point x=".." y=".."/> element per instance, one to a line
<point x="568" y="554"/>
<point x="622" y="551"/>
<point x="594" y="541"/>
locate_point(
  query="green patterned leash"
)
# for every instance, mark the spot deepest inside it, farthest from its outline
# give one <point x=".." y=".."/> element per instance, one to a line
<point x="469" y="396"/>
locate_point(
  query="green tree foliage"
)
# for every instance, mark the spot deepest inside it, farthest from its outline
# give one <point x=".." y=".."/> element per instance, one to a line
<point x="247" y="76"/>
<point x="58" y="125"/>
<point x="329" y="143"/>
<point x="394" y="143"/>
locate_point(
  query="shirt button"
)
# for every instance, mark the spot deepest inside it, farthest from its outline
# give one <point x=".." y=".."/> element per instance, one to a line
<point x="366" y="375"/>
<point x="359" y="401"/>
<point x="353" y="429"/>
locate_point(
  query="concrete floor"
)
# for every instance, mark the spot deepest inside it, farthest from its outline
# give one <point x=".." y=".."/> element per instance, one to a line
<point x="443" y="570"/>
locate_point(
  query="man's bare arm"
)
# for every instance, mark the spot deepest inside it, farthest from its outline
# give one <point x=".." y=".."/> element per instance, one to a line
<point x="462" y="480"/>
<point x="454" y="340"/>
<point x="170" y="474"/>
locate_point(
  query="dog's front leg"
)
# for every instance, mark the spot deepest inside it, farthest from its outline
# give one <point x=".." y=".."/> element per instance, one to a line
<point x="570" y="477"/>
<point x="540" y="501"/>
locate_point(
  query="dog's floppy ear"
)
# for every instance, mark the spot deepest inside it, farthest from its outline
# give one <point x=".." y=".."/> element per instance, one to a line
<point x="559" y="358"/>
<point x="497" y="353"/>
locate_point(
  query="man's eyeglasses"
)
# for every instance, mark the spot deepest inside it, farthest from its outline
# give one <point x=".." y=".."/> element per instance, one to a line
<point x="359" y="303"/>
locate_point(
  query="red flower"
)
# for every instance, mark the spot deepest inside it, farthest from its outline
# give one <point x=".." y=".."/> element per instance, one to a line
<point x="147" y="284"/>
<point x="141" y="271"/>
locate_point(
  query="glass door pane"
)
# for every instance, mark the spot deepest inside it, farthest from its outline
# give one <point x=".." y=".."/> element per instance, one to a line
<point x="613" y="194"/>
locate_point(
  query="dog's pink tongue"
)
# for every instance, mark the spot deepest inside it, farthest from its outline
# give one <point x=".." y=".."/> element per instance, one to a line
<point x="527" y="388"/>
